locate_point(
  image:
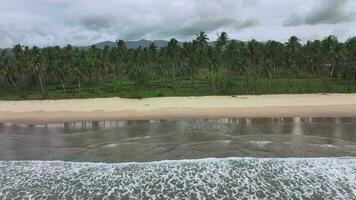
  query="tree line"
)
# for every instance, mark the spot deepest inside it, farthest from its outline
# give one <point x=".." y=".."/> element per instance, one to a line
<point x="26" y="69"/>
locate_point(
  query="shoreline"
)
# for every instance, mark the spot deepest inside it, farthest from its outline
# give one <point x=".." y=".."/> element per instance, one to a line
<point x="58" y="111"/>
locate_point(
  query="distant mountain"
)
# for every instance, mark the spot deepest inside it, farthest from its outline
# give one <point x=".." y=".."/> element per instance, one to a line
<point x="131" y="44"/>
<point x="137" y="44"/>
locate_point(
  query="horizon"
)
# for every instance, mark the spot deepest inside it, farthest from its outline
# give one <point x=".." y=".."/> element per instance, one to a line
<point x="47" y="23"/>
<point x="179" y="41"/>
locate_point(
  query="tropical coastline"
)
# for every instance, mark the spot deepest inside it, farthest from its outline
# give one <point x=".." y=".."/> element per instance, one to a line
<point x="53" y="111"/>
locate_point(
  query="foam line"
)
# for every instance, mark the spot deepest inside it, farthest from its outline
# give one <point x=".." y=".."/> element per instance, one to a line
<point x="231" y="178"/>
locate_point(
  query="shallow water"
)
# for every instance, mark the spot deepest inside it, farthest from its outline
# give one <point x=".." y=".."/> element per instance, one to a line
<point x="252" y="159"/>
<point x="131" y="141"/>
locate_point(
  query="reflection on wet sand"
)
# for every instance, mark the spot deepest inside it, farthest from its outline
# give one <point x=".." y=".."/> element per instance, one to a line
<point x="118" y="141"/>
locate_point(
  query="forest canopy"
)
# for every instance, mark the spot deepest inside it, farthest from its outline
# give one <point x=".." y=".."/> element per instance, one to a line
<point x="197" y="67"/>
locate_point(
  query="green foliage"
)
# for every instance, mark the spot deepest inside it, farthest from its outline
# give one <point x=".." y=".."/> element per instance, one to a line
<point x="195" y="68"/>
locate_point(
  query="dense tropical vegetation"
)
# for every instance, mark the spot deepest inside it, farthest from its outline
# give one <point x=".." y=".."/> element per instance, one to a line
<point x="198" y="67"/>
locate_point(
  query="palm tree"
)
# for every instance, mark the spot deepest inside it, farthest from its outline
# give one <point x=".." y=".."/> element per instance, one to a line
<point x="216" y="57"/>
<point x="331" y="50"/>
<point x="351" y="48"/>
<point x="7" y="69"/>
<point x="38" y="68"/>
<point x="201" y="47"/>
<point x="21" y="59"/>
<point x="202" y="39"/>
<point x="253" y="51"/>
<point x="74" y="61"/>
<point x="59" y="66"/>
<point x="274" y="54"/>
<point x="121" y="60"/>
<point x="293" y="47"/>
<point x="96" y="59"/>
<point x="222" y="41"/>
<point x="151" y="58"/>
<point x="188" y="54"/>
<point x="293" y="53"/>
<point x="349" y="66"/>
<point x="172" y="53"/>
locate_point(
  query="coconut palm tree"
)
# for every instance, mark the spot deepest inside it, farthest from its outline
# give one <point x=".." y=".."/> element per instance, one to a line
<point x="38" y="68"/>
<point x="274" y="54"/>
<point x="172" y="53"/>
<point x="7" y="69"/>
<point x="349" y="66"/>
<point x="217" y="57"/>
<point x="253" y="53"/>
<point x="293" y="47"/>
<point x="329" y="45"/>
<point x="21" y="61"/>
<point x="201" y="44"/>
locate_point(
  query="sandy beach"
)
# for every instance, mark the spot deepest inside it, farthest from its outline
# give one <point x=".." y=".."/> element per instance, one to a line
<point x="51" y="111"/>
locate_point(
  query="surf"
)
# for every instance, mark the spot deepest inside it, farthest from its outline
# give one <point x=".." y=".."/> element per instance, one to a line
<point x="211" y="178"/>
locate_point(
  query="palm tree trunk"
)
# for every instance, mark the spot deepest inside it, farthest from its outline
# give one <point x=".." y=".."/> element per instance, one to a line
<point x="13" y="83"/>
<point x="64" y="89"/>
<point x="212" y="74"/>
<point x="24" y="87"/>
<point x="288" y="82"/>
<point x="79" y="88"/>
<point x="100" y="79"/>
<point x="329" y="85"/>
<point x="309" y="83"/>
<point x="41" y="84"/>
<point x="174" y="76"/>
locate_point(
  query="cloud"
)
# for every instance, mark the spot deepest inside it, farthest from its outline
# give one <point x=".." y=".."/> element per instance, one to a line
<point x="78" y="22"/>
<point x="11" y="35"/>
<point x="95" y="22"/>
<point x="323" y="12"/>
<point x="172" y="19"/>
<point x="209" y="25"/>
<point x="249" y="3"/>
<point x="212" y="25"/>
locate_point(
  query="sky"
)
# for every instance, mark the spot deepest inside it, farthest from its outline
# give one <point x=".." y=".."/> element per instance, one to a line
<point x="85" y="22"/>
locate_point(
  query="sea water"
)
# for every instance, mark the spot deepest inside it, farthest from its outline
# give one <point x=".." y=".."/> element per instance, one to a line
<point x="228" y="178"/>
<point x="284" y="158"/>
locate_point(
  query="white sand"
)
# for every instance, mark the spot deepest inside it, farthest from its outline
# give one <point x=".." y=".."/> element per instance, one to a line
<point x="178" y="107"/>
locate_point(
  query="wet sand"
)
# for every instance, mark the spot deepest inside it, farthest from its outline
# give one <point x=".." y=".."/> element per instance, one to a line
<point x="52" y="111"/>
<point x="133" y="141"/>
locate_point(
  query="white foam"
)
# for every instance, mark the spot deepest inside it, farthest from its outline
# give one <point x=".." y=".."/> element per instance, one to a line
<point x="229" y="178"/>
<point x="260" y="143"/>
<point x="111" y="145"/>
<point x="330" y="146"/>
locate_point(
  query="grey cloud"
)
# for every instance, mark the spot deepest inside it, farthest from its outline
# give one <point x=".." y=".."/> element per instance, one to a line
<point x="209" y="26"/>
<point x="249" y="3"/>
<point x="214" y="25"/>
<point x="80" y="37"/>
<point x="10" y="35"/>
<point x="246" y="23"/>
<point x="323" y="12"/>
<point x="187" y="30"/>
<point x="172" y="21"/>
<point x="94" y="22"/>
<point x="78" y="22"/>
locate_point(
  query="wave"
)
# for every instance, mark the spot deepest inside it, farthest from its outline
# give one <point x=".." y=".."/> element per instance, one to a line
<point x="228" y="178"/>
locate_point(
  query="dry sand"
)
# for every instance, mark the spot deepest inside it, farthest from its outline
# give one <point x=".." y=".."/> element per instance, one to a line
<point x="50" y="111"/>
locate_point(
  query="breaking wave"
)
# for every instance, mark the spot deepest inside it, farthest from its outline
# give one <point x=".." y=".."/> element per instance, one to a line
<point x="229" y="178"/>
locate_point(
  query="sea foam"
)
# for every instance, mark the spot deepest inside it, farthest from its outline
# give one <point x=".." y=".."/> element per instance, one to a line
<point x="228" y="178"/>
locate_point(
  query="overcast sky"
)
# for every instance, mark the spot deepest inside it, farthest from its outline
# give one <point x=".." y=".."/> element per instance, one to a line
<point x="84" y="22"/>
